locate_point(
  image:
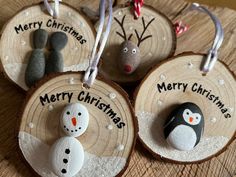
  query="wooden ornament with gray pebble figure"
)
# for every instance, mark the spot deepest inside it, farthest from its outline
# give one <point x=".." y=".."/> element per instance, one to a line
<point x="130" y="56"/>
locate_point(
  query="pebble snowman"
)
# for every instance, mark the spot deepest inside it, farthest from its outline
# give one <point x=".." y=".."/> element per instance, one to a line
<point x="184" y="127"/>
<point x="67" y="154"/>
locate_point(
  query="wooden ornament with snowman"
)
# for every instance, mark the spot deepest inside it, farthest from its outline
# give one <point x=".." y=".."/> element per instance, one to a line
<point x="186" y="105"/>
<point x="78" y="124"/>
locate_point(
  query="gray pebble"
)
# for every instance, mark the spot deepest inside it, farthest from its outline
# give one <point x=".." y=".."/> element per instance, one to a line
<point x="55" y="62"/>
<point x="58" y="40"/>
<point x="36" y="67"/>
<point x="40" y="38"/>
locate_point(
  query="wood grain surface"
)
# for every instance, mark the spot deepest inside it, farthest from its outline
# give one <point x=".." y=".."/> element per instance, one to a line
<point x="197" y="39"/>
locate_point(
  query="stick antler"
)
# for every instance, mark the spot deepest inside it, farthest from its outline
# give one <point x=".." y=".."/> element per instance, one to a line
<point x="141" y="38"/>
<point x="124" y="36"/>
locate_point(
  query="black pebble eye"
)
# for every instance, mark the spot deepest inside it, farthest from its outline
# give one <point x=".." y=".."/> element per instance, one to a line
<point x="196" y="117"/>
<point x="68" y="112"/>
<point x="79" y="114"/>
<point x="67" y="151"/>
<point x="187" y="113"/>
<point x="65" y="160"/>
<point x="63" y="171"/>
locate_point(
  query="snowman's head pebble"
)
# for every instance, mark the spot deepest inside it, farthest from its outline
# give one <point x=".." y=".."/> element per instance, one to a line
<point x="74" y="119"/>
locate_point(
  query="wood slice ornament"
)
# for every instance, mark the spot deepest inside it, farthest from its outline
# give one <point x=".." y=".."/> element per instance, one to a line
<point x="108" y="140"/>
<point x="168" y="88"/>
<point x="135" y="45"/>
<point x="15" y="53"/>
<point x="189" y="106"/>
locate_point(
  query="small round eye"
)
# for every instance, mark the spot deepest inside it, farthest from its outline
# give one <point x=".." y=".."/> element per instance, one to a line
<point x="187" y="113"/>
<point x="125" y="49"/>
<point x="68" y="112"/>
<point x="79" y="114"/>
<point x="196" y="117"/>
<point x="134" y="51"/>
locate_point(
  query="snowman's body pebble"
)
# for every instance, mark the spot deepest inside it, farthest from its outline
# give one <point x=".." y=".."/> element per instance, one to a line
<point x="67" y="157"/>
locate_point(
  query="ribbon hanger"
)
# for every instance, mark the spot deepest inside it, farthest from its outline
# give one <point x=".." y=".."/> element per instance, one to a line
<point x="54" y="12"/>
<point x="92" y="71"/>
<point x="219" y="37"/>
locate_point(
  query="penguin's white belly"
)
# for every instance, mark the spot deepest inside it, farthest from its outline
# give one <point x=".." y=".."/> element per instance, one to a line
<point x="183" y="138"/>
<point x="66" y="157"/>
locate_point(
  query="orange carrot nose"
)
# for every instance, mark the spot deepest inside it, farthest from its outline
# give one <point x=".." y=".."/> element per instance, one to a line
<point x="74" y="121"/>
<point x="190" y="119"/>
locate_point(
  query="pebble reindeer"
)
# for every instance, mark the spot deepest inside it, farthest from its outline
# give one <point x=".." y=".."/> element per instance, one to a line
<point x="67" y="154"/>
<point x="38" y="65"/>
<point x="130" y="56"/>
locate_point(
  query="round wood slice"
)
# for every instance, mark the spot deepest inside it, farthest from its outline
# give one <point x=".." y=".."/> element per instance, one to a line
<point x="153" y="105"/>
<point x="16" y="41"/>
<point x="159" y="46"/>
<point x="109" y="139"/>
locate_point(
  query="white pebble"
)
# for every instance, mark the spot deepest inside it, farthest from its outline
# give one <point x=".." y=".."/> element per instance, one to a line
<point x="31" y="125"/>
<point x="69" y="14"/>
<point x="120" y="13"/>
<point x="71" y="81"/>
<point x="112" y="96"/>
<point x="221" y="82"/>
<point x="164" y="38"/>
<point x="150" y="54"/>
<point x="231" y="110"/>
<point x="120" y="147"/>
<point x="109" y="127"/>
<point x="213" y="120"/>
<point x="26" y="13"/>
<point x="50" y="107"/>
<point x="159" y="102"/>
<point x="81" y="24"/>
<point x="130" y="28"/>
<point x="23" y="42"/>
<point x="162" y="77"/>
<point x="151" y="17"/>
<point x="6" y="58"/>
<point x="190" y="65"/>
<point x="75" y="48"/>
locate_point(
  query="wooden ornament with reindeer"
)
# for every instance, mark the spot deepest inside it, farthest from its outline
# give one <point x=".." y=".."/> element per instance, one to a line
<point x="129" y="51"/>
<point x="136" y="45"/>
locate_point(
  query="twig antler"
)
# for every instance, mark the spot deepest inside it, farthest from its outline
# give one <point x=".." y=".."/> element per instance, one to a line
<point x="124" y="36"/>
<point x="141" y="38"/>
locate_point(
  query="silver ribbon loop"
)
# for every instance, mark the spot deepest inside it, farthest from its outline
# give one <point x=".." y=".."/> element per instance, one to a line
<point x="54" y="12"/>
<point x="92" y="71"/>
<point x="219" y="37"/>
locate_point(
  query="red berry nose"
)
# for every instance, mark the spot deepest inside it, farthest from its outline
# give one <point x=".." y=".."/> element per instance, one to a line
<point x="127" y="68"/>
<point x="73" y="120"/>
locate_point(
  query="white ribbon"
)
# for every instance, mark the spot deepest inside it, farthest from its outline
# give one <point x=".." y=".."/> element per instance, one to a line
<point x="219" y="37"/>
<point x="92" y="71"/>
<point x="54" y="12"/>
